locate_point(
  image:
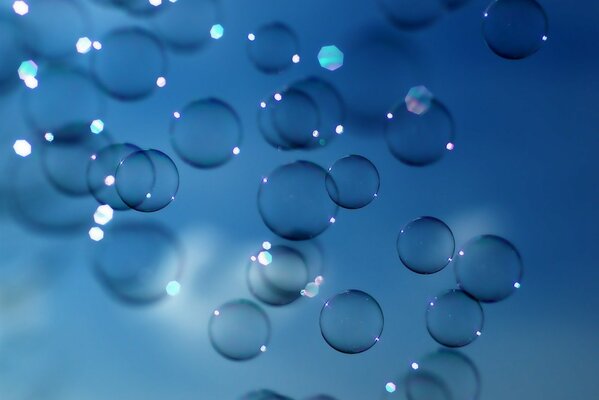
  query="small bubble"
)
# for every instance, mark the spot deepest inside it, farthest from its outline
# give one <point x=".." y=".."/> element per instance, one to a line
<point x="96" y="234"/>
<point x="49" y="136"/>
<point x="415" y="365"/>
<point x="251" y="37"/>
<point x="161" y="81"/>
<point x="176" y="114"/>
<point x="217" y="31"/>
<point x="278" y="96"/>
<point x="236" y="150"/>
<point x="83" y="45"/>
<point x="450" y="146"/>
<point x="173" y="288"/>
<point x="97" y="126"/>
<point x="390" y="387"/>
<point x="103" y="214"/>
<point x="295" y="59"/>
<point x="339" y="129"/>
<point x="266" y="245"/>
<point x="389" y="116"/>
<point x="97" y="45"/>
<point x="22" y="148"/>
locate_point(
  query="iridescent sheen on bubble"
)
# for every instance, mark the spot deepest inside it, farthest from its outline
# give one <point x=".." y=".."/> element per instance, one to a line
<point x="330" y="57"/>
<point x="418" y="100"/>
<point x="351" y="322"/>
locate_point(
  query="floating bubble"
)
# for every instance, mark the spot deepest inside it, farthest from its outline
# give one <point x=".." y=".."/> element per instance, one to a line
<point x="147" y="180"/>
<point x="453" y="371"/>
<point x="52" y="27"/>
<point x="294" y="203"/>
<point x="276" y="276"/>
<point x="48" y="109"/>
<point x="272" y="47"/>
<point x="207" y="133"/>
<point x="421" y="385"/>
<point x="12" y="51"/>
<point x="330" y="105"/>
<point x="515" y="29"/>
<point x="419" y="139"/>
<point x="454" y="319"/>
<point x="425" y="245"/>
<point x="296" y="118"/>
<point x="66" y="161"/>
<point x="330" y="57"/>
<point x="187" y="24"/>
<point x="489" y="268"/>
<point x="412" y="14"/>
<point x="136" y="261"/>
<point x="101" y="173"/>
<point x="129" y="63"/>
<point x="351" y="322"/>
<point x="353" y="182"/>
<point x="311" y="290"/>
<point x="239" y="330"/>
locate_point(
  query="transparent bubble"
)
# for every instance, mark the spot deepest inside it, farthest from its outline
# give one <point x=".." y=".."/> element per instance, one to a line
<point x="294" y="203"/>
<point x="419" y="139"/>
<point x="186" y="24"/>
<point x="271" y="48"/>
<point x="147" y="180"/>
<point x="425" y="245"/>
<point x="489" y="268"/>
<point x="330" y="105"/>
<point x="353" y="182"/>
<point x="48" y="109"/>
<point x="412" y="14"/>
<point x="136" y="260"/>
<point x="454" y="319"/>
<point x="207" y="133"/>
<point x="296" y="118"/>
<point x="66" y="160"/>
<point x="12" y="51"/>
<point x="264" y="394"/>
<point x="129" y="63"/>
<point x="239" y="330"/>
<point x="52" y="27"/>
<point x="101" y="173"/>
<point x="351" y="322"/>
<point x="38" y="205"/>
<point x="421" y="385"/>
<point x="453" y="371"/>
<point x="515" y="29"/>
<point x="276" y="276"/>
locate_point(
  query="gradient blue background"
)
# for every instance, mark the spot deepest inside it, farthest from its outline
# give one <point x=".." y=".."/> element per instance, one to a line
<point x="524" y="167"/>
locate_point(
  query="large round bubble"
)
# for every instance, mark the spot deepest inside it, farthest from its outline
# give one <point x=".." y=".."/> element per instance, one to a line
<point x="136" y="261"/>
<point x="425" y="245"/>
<point x="207" y="133"/>
<point x="130" y="62"/>
<point x="239" y="330"/>
<point x="515" y="29"/>
<point x="294" y="203"/>
<point x="489" y="268"/>
<point x="353" y="182"/>
<point x="454" y="319"/>
<point x="351" y="322"/>
<point x="271" y="48"/>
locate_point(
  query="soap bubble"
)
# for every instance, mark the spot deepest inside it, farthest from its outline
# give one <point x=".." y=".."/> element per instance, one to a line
<point x="412" y="14"/>
<point x="294" y="202"/>
<point x="351" y="322"/>
<point x="296" y="118"/>
<point x="136" y="260"/>
<point x="515" y="29"/>
<point x="489" y="268"/>
<point x="129" y="63"/>
<point x="101" y="173"/>
<point x="272" y="47"/>
<point x="353" y="182"/>
<point x="185" y="24"/>
<point x="147" y="180"/>
<point x="419" y="139"/>
<point x="421" y="385"/>
<point x="52" y="27"/>
<point x="239" y="330"/>
<point x="48" y="109"/>
<point x="425" y="245"/>
<point x="454" y="319"/>
<point x="277" y="275"/>
<point x="207" y="133"/>
<point x="66" y="160"/>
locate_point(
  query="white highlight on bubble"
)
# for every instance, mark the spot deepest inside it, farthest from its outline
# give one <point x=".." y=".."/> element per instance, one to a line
<point x="263" y="348"/>
<point x="332" y="220"/>
<point x="31" y="82"/>
<point x="96" y="234"/>
<point x="262" y="104"/>
<point x="266" y="245"/>
<point x="389" y="116"/>
<point x="544" y="38"/>
<point x="20" y="7"/>
<point x="236" y="150"/>
<point x="461" y="252"/>
<point x="177" y="115"/>
<point x="450" y="146"/>
<point x="22" y="148"/>
<point x="390" y="387"/>
<point x="319" y="280"/>
<point x="415" y="366"/>
<point x="295" y="59"/>
<point x="339" y="129"/>
<point x="216" y="313"/>
<point x="49" y="136"/>
<point x="315" y="133"/>
<point x="278" y="96"/>
<point x="173" y="288"/>
<point x="103" y="214"/>
<point x="478" y="333"/>
<point x="161" y="81"/>
<point x="264" y="258"/>
<point x="517" y="285"/>
<point x="155" y="3"/>
<point x="97" y="45"/>
<point x="83" y="45"/>
<point x="251" y="37"/>
<point x="97" y="126"/>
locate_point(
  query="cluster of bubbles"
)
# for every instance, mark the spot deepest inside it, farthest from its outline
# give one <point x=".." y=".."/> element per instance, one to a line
<point x="141" y="262"/>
